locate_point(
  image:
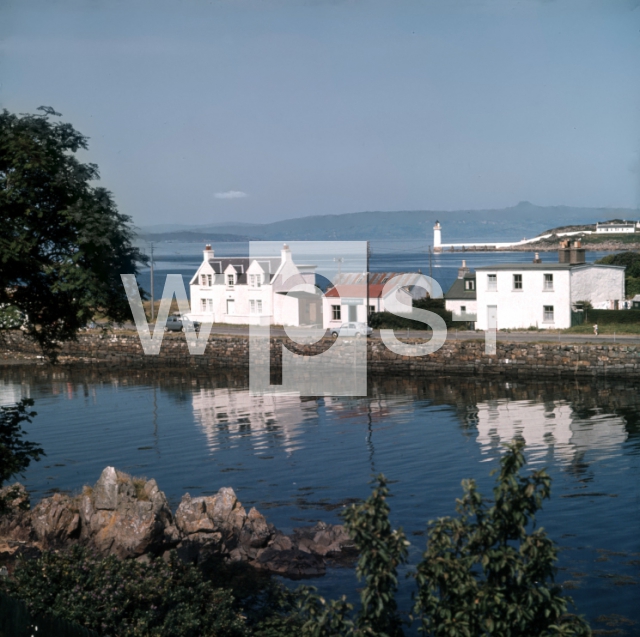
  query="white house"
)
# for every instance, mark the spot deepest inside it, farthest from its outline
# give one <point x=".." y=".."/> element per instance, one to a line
<point x="347" y="300"/>
<point x="243" y="290"/>
<point x="616" y="227"/>
<point x="543" y="295"/>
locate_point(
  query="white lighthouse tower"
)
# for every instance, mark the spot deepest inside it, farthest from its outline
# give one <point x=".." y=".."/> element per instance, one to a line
<point x="437" y="237"/>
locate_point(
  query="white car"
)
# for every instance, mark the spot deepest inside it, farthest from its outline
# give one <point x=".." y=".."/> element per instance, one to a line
<point x="352" y="329"/>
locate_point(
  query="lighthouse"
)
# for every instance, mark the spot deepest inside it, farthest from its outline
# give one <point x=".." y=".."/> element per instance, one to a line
<point x="437" y="237"/>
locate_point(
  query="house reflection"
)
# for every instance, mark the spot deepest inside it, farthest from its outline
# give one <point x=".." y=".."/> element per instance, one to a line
<point x="552" y="430"/>
<point x="226" y="415"/>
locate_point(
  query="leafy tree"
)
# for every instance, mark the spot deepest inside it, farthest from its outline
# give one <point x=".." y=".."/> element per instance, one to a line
<point x="63" y="244"/>
<point x="382" y="549"/>
<point x="16" y="454"/>
<point x="484" y="572"/>
<point x="487" y="572"/>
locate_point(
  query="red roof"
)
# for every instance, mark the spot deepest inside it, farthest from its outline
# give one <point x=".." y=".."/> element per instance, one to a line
<point x="357" y="291"/>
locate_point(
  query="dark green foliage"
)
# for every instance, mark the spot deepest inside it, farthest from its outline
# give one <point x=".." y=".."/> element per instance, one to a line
<point x="126" y="598"/>
<point x="488" y="571"/>
<point x="63" y="244"/>
<point x="606" y="317"/>
<point x="387" y="320"/>
<point x="10" y="318"/>
<point x="16" y="454"/>
<point x="382" y="549"/>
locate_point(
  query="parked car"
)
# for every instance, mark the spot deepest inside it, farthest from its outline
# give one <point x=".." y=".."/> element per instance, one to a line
<point x="176" y="323"/>
<point x="352" y="329"/>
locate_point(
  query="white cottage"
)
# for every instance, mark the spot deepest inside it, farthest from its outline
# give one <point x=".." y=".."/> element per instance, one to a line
<point x="243" y="290"/>
<point x="347" y="300"/>
<point x="544" y="295"/>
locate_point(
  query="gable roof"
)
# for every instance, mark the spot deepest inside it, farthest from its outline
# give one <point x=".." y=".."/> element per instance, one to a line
<point x="458" y="292"/>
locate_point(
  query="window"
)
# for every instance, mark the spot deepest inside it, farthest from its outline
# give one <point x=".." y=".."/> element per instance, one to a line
<point x="252" y="280"/>
<point x="463" y="309"/>
<point x="548" y="313"/>
<point x="209" y="280"/>
<point x="548" y="281"/>
<point x="492" y="282"/>
<point x="231" y="279"/>
<point x="335" y="311"/>
<point x="252" y="307"/>
<point x="210" y="302"/>
<point x="203" y="279"/>
<point x="469" y="284"/>
<point x="259" y="306"/>
<point x="203" y="304"/>
<point x="517" y="281"/>
<point x="372" y="309"/>
<point x="258" y="280"/>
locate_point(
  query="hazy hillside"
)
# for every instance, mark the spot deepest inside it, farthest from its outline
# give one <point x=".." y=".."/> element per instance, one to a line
<point x="506" y="224"/>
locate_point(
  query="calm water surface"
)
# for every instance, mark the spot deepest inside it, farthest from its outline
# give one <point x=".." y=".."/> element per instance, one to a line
<point x="299" y="461"/>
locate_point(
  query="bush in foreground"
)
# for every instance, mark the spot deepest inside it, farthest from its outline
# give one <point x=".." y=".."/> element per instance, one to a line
<point x="126" y="598"/>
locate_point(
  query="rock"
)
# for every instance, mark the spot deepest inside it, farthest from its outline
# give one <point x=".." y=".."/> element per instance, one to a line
<point x="55" y="520"/>
<point x="327" y="540"/>
<point x="126" y="517"/>
<point x="15" y="521"/>
<point x="291" y="563"/>
<point x="219" y="525"/>
<point x="105" y="491"/>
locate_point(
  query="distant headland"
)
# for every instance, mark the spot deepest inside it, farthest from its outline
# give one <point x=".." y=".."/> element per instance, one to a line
<point x="501" y="225"/>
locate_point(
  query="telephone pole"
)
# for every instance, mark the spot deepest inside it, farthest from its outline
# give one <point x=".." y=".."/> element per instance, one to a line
<point x="367" y="274"/>
<point x="152" y="299"/>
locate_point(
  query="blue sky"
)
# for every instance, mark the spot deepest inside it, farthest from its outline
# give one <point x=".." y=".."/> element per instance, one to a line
<point x="256" y="111"/>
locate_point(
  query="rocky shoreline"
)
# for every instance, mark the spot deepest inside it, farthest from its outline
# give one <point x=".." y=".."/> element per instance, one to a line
<point x="131" y="519"/>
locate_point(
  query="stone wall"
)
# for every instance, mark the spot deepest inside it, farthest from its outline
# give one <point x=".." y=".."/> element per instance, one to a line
<point x="455" y="357"/>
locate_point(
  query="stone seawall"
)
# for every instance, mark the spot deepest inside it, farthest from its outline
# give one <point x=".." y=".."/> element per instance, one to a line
<point x="455" y="357"/>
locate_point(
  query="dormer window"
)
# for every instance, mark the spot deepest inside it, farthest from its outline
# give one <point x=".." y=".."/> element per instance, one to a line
<point x="209" y="280"/>
<point x="231" y="280"/>
<point x="469" y="284"/>
<point x="203" y="279"/>
<point x="258" y="280"/>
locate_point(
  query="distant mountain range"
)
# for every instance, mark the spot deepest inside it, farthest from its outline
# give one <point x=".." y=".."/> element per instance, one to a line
<point x="505" y="224"/>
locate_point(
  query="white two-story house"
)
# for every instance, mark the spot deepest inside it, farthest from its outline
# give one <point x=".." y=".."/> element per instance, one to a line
<point x="543" y="295"/>
<point x="243" y="290"/>
<point x="538" y="295"/>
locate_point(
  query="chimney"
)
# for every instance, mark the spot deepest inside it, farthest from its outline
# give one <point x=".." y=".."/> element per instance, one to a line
<point x="285" y="253"/>
<point x="577" y="253"/>
<point x="208" y="253"/>
<point x="463" y="270"/>
<point x="564" y="252"/>
<point x="536" y="258"/>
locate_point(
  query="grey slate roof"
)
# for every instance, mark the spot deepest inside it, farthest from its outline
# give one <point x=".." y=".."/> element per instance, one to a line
<point x="543" y="266"/>
<point x="457" y="292"/>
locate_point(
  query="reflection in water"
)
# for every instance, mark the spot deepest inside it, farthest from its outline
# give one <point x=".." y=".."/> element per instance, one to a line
<point x="226" y="415"/>
<point x="550" y="429"/>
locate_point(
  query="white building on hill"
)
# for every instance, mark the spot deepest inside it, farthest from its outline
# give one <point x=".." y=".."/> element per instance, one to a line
<point x="243" y="290"/>
<point x="617" y="227"/>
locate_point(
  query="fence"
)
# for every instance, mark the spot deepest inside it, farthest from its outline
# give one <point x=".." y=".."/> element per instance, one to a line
<point x="17" y="621"/>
